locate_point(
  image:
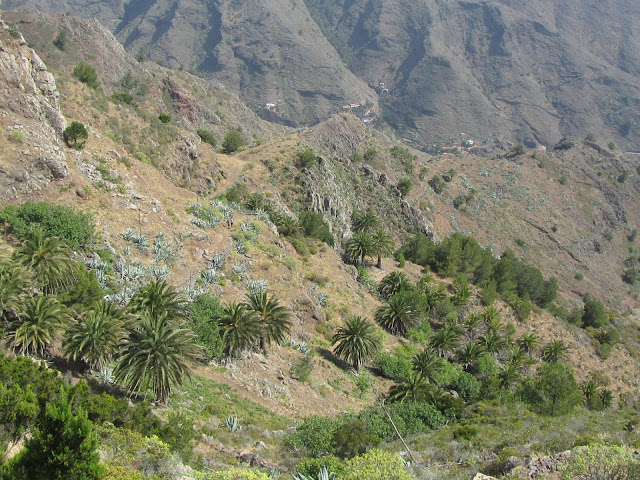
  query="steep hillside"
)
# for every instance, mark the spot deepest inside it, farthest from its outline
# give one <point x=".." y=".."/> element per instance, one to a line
<point x="273" y="53"/>
<point x="162" y="201"/>
<point x="528" y="73"/>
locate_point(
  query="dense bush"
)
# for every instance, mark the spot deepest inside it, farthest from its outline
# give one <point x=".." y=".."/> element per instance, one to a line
<point x="86" y="74"/>
<point x="232" y="142"/>
<point x="313" y="225"/>
<point x="306" y="158"/>
<point x="462" y="254"/>
<point x="75" y="229"/>
<point x="204" y="310"/>
<point x="207" y="136"/>
<point x="377" y="465"/>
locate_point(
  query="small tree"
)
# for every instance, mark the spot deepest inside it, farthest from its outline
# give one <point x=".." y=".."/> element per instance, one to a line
<point x="86" y="74"/>
<point x="61" y="40"/>
<point x="232" y="141"/>
<point x="306" y="158"/>
<point x="404" y="185"/>
<point x="63" y="446"/>
<point x="207" y="136"/>
<point x="554" y="390"/>
<point x="75" y="135"/>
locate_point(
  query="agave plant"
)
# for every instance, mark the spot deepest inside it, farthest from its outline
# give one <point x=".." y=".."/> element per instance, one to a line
<point x="233" y="424"/>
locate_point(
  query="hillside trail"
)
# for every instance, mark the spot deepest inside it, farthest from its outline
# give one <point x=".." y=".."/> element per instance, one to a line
<point x="234" y="165"/>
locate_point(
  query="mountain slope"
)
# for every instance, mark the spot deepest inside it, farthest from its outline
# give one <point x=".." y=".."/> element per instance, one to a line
<point x="532" y="72"/>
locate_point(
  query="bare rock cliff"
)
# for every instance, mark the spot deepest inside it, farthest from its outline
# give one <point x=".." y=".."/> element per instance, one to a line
<point x="31" y="119"/>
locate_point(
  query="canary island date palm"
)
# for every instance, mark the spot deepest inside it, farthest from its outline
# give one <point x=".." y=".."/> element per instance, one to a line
<point x="274" y="318"/>
<point x="382" y="245"/>
<point x="356" y="341"/>
<point x="38" y="327"/>
<point x="392" y="283"/>
<point x="240" y="326"/>
<point x="554" y="351"/>
<point x="528" y="342"/>
<point x="365" y="222"/>
<point x="49" y="261"/>
<point x="399" y="314"/>
<point x="95" y="337"/>
<point x="158" y="299"/>
<point x="359" y="246"/>
<point x="415" y="388"/>
<point x="14" y="283"/>
<point x="428" y="364"/>
<point x="156" y="356"/>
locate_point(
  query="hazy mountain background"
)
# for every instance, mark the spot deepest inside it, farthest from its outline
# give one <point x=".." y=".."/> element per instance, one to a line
<point x="522" y="71"/>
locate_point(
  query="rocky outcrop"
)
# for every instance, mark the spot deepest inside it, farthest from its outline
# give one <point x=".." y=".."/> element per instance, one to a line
<point x="27" y="88"/>
<point x="30" y="117"/>
<point x="184" y="103"/>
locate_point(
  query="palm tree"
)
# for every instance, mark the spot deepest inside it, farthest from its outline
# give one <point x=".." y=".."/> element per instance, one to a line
<point x="518" y="357"/>
<point x="95" y="338"/>
<point x="382" y="244"/>
<point x="528" y="342"/>
<point x="49" y="260"/>
<point x="554" y="351"/>
<point x="241" y="327"/>
<point x="508" y="376"/>
<point x="38" y="326"/>
<point x="415" y="388"/>
<point x="392" y="283"/>
<point x="365" y="221"/>
<point x="427" y="364"/>
<point x="359" y="246"/>
<point x="469" y="354"/>
<point x="14" y="282"/>
<point x="445" y="341"/>
<point x="590" y="388"/>
<point x="490" y="314"/>
<point x="472" y="323"/>
<point x="275" y="319"/>
<point x="461" y="291"/>
<point x="356" y="342"/>
<point x="492" y="342"/>
<point x="158" y="299"/>
<point x="156" y="356"/>
<point x="399" y="314"/>
<point x="287" y="226"/>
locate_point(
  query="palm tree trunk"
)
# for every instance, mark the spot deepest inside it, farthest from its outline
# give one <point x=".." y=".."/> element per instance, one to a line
<point x="263" y="345"/>
<point x="379" y="264"/>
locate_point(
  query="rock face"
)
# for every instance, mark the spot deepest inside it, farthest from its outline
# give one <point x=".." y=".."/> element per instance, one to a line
<point x="28" y="89"/>
<point x="31" y="119"/>
<point x="184" y="103"/>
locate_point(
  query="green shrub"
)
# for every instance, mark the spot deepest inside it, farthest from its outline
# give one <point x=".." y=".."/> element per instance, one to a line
<point x="61" y="41"/>
<point x="75" y="229"/>
<point x="404" y="185"/>
<point x="17" y="136"/>
<point x="311" y="466"/>
<point x="401" y="260"/>
<point x="302" y="367"/>
<point x="164" y="117"/>
<point x="75" y="135"/>
<point x="590" y="137"/>
<point x="207" y="136"/>
<point x="204" y="311"/>
<point x="353" y="438"/>
<point x="123" y="97"/>
<point x="593" y="462"/>
<point x="238" y="474"/>
<point x="307" y="158"/>
<point x="465" y="432"/>
<point x="86" y="74"/>
<point x="376" y="465"/>
<point x="314" y="226"/>
<point x="232" y="142"/>
<point x="315" y="437"/>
